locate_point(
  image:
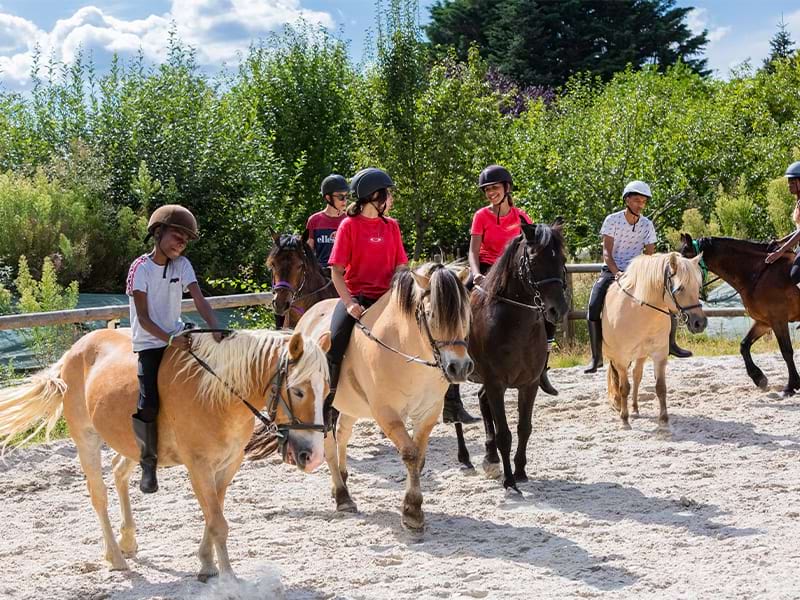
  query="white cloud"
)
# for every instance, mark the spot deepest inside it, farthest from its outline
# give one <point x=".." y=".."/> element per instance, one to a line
<point x="218" y="29"/>
<point x="697" y="20"/>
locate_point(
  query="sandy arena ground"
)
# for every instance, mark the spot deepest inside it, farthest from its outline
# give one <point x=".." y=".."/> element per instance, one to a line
<point x="708" y="510"/>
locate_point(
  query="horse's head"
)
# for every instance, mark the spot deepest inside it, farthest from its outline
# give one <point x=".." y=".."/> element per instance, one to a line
<point x="437" y="296"/>
<point x="288" y="260"/>
<point x="542" y="267"/>
<point x="684" y="281"/>
<point x="298" y="409"/>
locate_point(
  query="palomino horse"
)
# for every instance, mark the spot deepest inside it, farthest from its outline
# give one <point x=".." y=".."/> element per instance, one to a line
<point x="410" y="345"/>
<point x="636" y="323"/>
<point x="508" y="342"/>
<point x="770" y="297"/>
<point x="297" y="279"/>
<point x="201" y="423"/>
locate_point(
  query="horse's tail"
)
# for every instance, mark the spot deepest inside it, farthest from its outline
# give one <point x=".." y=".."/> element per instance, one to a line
<point x="37" y="404"/>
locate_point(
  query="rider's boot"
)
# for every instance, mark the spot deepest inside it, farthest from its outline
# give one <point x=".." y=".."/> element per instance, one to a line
<point x="596" y="343"/>
<point x="146" y="435"/>
<point x="674" y="349"/>
<point x="454" y="411"/>
<point x="544" y="380"/>
<point x="330" y="414"/>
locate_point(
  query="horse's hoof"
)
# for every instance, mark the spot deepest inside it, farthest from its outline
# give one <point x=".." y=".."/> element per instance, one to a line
<point x="128" y="547"/>
<point x="347" y="506"/>
<point x="513" y="492"/>
<point x="788" y="392"/>
<point x="635" y="413"/>
<point x="626" y="424"/>
<point x="204" y="576"/>
<point x="414" y="522"/>
<point x="761" y="381"/>
<point x="119" y="565"/>
<point x="468" y="468"/>
<point x="492" y="470"/>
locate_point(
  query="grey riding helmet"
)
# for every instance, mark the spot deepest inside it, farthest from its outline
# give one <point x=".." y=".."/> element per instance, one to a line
<point x="793" y="170"/>
<point x="368" y="181"/>
<point x="333" y="183"/>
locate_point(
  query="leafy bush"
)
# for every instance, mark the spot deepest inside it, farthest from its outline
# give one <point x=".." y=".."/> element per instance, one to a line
<point x="780" y="204"/>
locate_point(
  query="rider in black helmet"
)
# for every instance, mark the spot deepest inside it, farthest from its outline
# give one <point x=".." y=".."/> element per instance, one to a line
<point x="790" y="241"/>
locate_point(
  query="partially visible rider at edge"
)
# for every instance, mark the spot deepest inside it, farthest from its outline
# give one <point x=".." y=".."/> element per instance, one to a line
<point x="367" y="252"/>
<point x="626" y="234"/>
<point x="787" y="243"/>
<point x="493" y="226"/>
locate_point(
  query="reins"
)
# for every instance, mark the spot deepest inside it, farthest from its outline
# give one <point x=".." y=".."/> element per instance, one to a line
<point x="668" y="289"/>
<point x="285" y="285"/>
<point x="277" y="383"/>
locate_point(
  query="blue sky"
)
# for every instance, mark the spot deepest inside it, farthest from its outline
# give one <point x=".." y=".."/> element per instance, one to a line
<point x="221" y="29"/>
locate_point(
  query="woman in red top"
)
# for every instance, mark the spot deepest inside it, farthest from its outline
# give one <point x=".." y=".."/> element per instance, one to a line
<point x="493" y="227"/>
<point x="366" y="253"/>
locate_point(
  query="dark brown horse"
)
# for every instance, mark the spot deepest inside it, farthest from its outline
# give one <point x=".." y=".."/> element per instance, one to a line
<point x="508" y="342"/>
<point x="298" y="281"/>
<point x="769" y="296"/>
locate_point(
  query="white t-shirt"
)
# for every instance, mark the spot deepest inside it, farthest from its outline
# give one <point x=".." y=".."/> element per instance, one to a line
<point x="629" y="240"/>
<point x="164" y="287"/>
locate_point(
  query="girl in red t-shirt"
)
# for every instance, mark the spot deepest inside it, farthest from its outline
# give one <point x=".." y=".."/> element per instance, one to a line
<point x="493" y="227"/>
<point x="368" y="250"/>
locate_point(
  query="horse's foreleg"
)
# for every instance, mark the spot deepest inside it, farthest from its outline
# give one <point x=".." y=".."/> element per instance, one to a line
<point x="612" y="381"/>
<point x="527" y="396"/>
<point x="88" y="444"/>
<point x="756" y="332"/>
<point x="395" y="429"/>
<point x="336" y="457"/>
<point x="496" y="401"/>
<point x="122" y="468"/>
<point x="785" y="344"/>
<point x="660" y="368"/>
<point x="622" y="393"/>
<point x="638" y="369"/>
<point x="215" y="536"/>
<point x="463" y="451"/>
<point x="490" y="459"/>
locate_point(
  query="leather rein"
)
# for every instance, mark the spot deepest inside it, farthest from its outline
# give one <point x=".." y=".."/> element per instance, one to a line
<point x="669" y="290"/>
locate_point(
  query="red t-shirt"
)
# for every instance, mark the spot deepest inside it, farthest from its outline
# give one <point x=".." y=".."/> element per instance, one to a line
<point x="369" y="250"/>
<point x="496" y="236"/>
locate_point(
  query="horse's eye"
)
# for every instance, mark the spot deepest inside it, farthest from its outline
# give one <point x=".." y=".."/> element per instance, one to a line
<point x="298" y="393"/>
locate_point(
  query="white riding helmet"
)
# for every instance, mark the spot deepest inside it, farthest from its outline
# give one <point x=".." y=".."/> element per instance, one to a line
<point x="637" y="187"/>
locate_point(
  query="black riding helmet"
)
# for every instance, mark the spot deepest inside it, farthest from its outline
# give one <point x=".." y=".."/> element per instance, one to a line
<point x="333" y="183"/>
<point x="494" y="174"/>
<point x="368" y="181"/>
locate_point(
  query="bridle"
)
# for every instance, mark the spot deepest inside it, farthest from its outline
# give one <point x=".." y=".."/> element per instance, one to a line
<point x="296" y="295"/>
<point x="275" y="391"/>
<point x="424" y="326"/>
<point x="669" y="290"/>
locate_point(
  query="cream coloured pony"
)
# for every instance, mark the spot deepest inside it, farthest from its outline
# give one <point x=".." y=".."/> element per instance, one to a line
<point x="636" y="323"/>
<point x="425" y="314"/>
<point x="201" y="424"/>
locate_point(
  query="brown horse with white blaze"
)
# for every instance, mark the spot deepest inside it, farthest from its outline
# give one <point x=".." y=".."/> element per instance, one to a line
<point x="201" y="423"/>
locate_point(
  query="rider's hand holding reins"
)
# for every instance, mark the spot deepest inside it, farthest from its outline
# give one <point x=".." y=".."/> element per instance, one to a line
<point x="180" y="341"/>
<point x="478" y="279"/>
<point x="355" y="310"/>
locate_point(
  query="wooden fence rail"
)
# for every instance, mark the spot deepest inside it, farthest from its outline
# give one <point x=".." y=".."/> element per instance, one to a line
<point x="113" y="313"/>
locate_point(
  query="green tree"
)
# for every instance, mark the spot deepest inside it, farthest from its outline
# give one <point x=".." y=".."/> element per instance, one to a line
<point x="544" y="43"/>
<point x="781" y="46"/>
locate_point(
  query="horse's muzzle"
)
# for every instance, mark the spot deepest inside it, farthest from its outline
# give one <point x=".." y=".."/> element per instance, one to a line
<point x="458" y="369"/>
<point x="696" y="323"/>
<point x="305" y="450"/>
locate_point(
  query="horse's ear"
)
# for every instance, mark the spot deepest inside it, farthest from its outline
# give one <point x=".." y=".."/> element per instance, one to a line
<point x="529" y="231"/>
<point x="696" y="260"/>
<point x="324" y="341"/>
<point x="276" y="237"/>
<point x="305" y="236"/>
<point x="463" y="275"/>
<point x="686" y="239"/>
<point x="558" y="223"/>
<point x="673" y="262"/>
<point x="296" y="346"/>
<point x="423" y="281"/>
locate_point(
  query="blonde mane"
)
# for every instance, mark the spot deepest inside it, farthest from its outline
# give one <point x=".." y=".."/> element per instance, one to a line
<point x="237" y="357"/>
<point x="644" y="277"/>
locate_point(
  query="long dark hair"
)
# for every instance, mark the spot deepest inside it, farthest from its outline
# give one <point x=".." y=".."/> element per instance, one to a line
<point x="355" y="208"/>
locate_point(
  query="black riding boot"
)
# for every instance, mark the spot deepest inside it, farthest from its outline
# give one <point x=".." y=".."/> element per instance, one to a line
<point x="544" y="380"/>
<point x="330" y="414"/>
<point x="146" y="435"/>
<point x="596" y="343"/>
<point x="454" y="411"/>
<point x="674" y="349"/>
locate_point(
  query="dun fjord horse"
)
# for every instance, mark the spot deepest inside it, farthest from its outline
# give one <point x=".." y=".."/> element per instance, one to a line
<point x="636" y="323"/>
<point x="769" y="296"/>
<point x="508" y="342"/>
<point x="425" y="315"/>
<point x="201" y="424"/>
<point x="297" y="279"/>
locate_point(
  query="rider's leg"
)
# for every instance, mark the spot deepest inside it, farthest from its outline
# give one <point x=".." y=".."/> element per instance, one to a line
<point x="596" y="300"/>
<point x="145" y="425"/>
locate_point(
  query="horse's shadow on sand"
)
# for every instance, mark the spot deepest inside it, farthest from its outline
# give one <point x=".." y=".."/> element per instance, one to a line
<point x="478" y="538"/>
<point x="710" y="432"/>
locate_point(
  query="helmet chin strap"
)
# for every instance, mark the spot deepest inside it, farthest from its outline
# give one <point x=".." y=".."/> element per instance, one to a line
<point x="637" y="215"/>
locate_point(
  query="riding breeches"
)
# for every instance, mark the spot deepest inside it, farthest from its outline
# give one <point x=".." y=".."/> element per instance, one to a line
<point x="598" y="296"/>
<point x="794" y="274"/>
<point x="342" y="328"/>
<point x="149" y="361"/>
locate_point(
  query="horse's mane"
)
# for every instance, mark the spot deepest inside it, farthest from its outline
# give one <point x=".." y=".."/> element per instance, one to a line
<point x="740" y="245"/>
<point x="505" y="268"/>
<point x="644" y="277"/>
<point x="238" y="356"/>
<point x="449" y="298"/>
